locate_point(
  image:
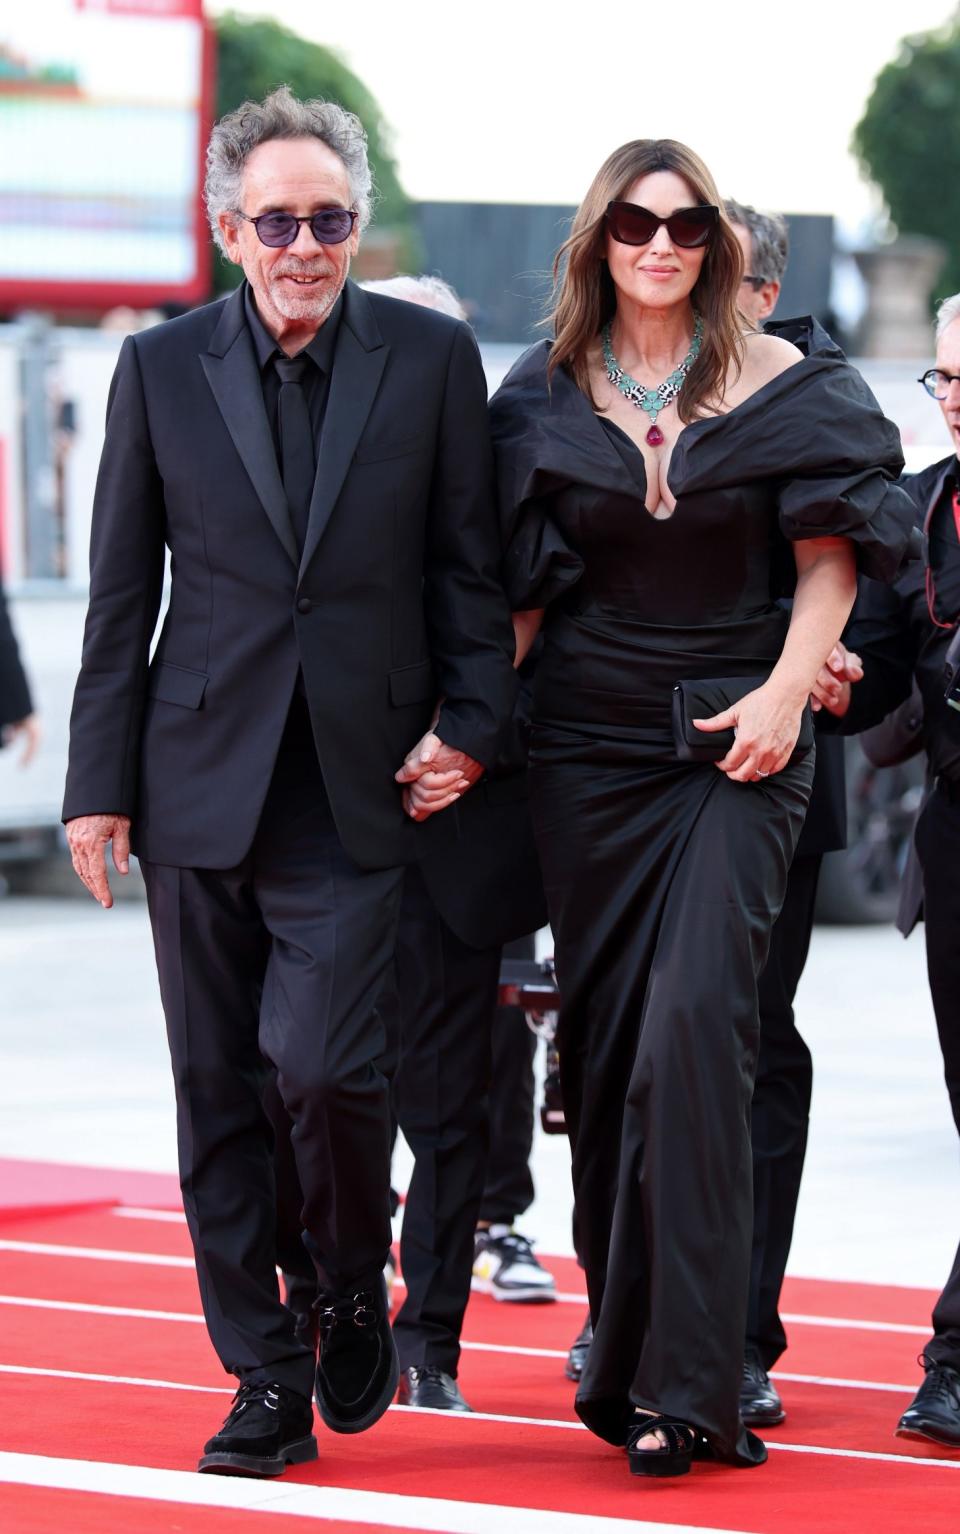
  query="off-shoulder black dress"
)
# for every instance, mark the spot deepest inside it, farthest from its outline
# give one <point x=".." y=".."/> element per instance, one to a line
<point x="664" y="878"/>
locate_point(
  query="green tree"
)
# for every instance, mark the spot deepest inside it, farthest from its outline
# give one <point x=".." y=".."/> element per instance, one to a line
<point x="255" y="55"/>
<point x="908" y="140"/>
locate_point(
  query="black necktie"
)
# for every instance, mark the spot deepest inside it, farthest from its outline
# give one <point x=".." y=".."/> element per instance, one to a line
<point x="297" y="463"/>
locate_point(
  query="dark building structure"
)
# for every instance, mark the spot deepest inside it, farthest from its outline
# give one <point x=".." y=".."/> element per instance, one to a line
<point x="499" y="258"/>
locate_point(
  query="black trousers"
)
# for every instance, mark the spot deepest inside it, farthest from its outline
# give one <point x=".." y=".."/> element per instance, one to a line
<point x="279" y="960"/>
<point x="447" y="996"/>
<point x="781" y="1109"/>
<point x="508" y="1191"/>
<point x="938" y="847"/>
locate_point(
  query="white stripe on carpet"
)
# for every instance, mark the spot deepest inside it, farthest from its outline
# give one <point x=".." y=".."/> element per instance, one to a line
<point x="161" y="1260"/>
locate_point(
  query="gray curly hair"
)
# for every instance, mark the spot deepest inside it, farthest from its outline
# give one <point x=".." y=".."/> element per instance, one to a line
<point x="282" y="115"/>
<point x="768" y="236"/>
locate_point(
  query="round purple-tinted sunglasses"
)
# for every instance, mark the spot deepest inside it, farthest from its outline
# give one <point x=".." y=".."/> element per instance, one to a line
<point x="331" y="226"/>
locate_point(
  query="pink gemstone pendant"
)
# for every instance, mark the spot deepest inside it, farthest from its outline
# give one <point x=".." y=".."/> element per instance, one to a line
<point x="654" y="436"/>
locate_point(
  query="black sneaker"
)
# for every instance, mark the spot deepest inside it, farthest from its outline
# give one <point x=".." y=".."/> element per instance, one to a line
<point x="358" y="1369"/>
<point x="760" y="1405"/>
<point x="579" y="1348"/>
<point x="934" y="1412"/>
<point x="269" y="1428"/>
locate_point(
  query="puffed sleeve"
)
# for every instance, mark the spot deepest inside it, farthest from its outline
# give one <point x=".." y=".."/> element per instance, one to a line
<point x="538" y="564"/>
<point x="842" y="459"/>
<point x="817" y="436"/>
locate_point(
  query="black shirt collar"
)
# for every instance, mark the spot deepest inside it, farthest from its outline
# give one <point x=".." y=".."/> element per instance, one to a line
<point x="320" y="350"/>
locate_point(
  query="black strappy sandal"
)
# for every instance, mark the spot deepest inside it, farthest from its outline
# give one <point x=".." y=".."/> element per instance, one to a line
<point x="671" y="1458"/>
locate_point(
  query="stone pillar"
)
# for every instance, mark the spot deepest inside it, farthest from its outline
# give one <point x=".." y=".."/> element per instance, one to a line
<point x="900" y="279"/>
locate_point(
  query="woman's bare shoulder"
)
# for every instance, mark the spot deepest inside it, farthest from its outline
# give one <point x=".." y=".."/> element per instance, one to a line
<point x="766" y="357"/>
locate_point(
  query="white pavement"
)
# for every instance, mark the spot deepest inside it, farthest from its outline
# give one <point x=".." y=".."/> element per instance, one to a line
<point x="86" y="1079"/>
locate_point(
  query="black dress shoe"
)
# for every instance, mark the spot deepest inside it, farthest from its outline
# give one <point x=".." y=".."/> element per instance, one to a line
<point x="358" y="1368"/>
<point x="429" y="1386"/>
<point x="269" y="1427"/>
<point x="760" y="1406"/>
<point x="934" y="1412"/>
<point x="577" y="1356"/>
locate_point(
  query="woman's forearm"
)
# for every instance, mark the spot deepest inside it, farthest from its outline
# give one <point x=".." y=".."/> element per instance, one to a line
<point x="826" y="588"/>
<point x="526" y="627"/>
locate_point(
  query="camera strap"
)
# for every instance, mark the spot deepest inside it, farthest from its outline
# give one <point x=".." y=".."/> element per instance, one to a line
<point x="953" y="581"/>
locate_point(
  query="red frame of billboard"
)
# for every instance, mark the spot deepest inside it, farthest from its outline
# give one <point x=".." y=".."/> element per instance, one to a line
<point x="138" y="295"/>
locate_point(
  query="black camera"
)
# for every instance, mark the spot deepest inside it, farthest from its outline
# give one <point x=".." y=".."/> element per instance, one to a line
<point x="951" y="672"/>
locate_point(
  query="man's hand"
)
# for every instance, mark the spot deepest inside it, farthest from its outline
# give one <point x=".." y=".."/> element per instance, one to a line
<point x="831" y="690"/>
<point x="87" y="837"/>
<point x="28" y="730"/>
<point x="435" y="776"/>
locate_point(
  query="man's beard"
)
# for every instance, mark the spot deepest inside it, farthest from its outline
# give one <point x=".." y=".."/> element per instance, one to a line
<point x="314" y="304"/>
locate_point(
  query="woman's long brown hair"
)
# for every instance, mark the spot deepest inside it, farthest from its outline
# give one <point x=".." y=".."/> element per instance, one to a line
<point x="585" y="297"/>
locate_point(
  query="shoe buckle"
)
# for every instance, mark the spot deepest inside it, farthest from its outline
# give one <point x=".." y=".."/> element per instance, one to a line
<point x="364" y="1315"/>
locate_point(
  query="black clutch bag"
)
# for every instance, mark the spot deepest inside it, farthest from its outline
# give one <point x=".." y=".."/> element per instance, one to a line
<point x="701" y="700"/>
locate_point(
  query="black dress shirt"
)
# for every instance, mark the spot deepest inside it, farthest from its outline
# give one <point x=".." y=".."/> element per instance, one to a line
<point x="316" y="383"/>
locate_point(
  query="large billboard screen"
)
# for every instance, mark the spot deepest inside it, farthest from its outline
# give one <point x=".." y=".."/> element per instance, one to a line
<point x="104" y="110"/>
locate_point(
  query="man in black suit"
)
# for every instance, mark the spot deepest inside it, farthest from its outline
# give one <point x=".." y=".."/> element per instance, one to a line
<point x="907" y="634"/>
<point x="317" y="461"/>
<point x="784" y="1081"/>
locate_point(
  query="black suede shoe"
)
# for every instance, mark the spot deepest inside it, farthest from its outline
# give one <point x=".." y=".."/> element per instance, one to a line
<point x="358" y="1368"/>
<point x="429" y="1386"/>
<point x="934" y="1412"/>
<point x="269" y="1427"/>
<point x="760" y="1405"/>
<point x="577" y="1356"/>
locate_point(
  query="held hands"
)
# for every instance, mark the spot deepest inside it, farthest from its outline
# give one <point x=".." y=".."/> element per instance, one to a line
<point x="831" y="690"/>
<point x="435" y="776"/>
<point x="766" y="724"/>
<point x="87" y="837"/>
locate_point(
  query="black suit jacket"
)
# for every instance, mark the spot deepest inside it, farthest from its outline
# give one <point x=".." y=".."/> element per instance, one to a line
<point x="396" y="599"/>
<point x="15" y="701"/>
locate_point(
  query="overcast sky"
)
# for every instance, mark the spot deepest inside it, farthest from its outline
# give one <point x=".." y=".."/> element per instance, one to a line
<point x="520" y="101"/>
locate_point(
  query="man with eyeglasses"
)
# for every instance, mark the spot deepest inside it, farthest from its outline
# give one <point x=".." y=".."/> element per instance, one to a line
<point x="901" y="633"/>
<point x="784" y="1082"/>
<point x="317" y="460"/>
<point x="766" y="247"/>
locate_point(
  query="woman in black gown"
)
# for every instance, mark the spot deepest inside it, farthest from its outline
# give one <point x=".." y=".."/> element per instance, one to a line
<point x="652" y="543"/>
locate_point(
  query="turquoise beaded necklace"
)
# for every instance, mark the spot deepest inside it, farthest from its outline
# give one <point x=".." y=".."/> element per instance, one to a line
<point x="651" y="401"/>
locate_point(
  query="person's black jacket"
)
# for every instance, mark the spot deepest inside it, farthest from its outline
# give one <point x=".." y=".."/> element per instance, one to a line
<point x="893" y="633"/>
<point x="15" y="701"/>
<point x="396" y="600"/>
<point x="479" y="858"/>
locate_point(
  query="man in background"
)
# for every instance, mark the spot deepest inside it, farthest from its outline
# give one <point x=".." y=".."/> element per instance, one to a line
<point x="907" y="634"/>
<point x="463" y="1085"/>
<point x="784" y="1082"/>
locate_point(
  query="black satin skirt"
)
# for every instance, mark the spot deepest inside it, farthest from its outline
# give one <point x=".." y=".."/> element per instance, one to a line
<point x="663" y="880"/>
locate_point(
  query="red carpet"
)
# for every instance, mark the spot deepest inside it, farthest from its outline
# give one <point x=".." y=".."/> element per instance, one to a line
<point x="874" y="1483"/>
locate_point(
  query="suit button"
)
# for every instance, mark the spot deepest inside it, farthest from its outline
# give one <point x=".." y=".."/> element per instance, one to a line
<point x="304" y="605"/>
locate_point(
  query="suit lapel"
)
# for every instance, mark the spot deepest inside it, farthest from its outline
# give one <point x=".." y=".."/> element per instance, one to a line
<point x="231" y="369"/>
<point x="358" y="366"/>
